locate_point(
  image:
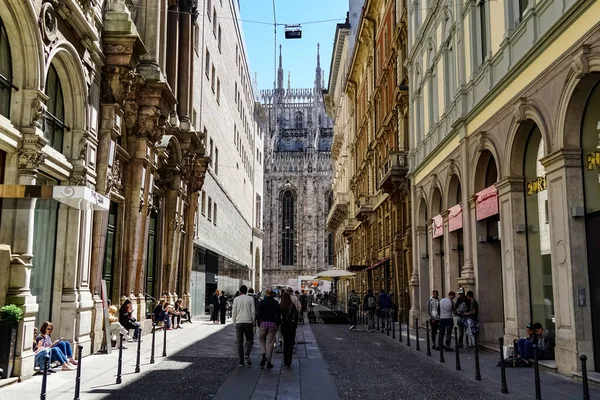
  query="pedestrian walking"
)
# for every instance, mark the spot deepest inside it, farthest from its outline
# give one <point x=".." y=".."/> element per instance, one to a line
<point x="255" y="297"/>
<point x="463" y="304"/>
<point x="303" y="303"/>
<point x="222" y="306"/>
<point x="472" y="318"/>
<point x="289" y="323"/>
<point x="370" y="306"/>
<point x="433" y="309"/>
<point x="269" y="319"/>
<point x="446" y="320"/>
<point x="311" y="301"/>
<point x="214" y="307"/>
<point x="242" y="316"/>
<point x="353" y="304"/>
<point x="385" y="306"/>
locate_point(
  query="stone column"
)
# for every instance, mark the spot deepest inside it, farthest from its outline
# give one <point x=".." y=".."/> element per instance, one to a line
<point x="569" y="260"/>
<point x="467" y="276"/>
<point x="517" y="305"/>
<point x="173" y="47"/>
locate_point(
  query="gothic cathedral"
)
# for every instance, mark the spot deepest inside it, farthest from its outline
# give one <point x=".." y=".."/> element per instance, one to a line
<point x="298" y="177"/>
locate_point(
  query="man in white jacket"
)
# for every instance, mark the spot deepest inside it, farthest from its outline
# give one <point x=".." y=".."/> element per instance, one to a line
<point x="243" y="315"/>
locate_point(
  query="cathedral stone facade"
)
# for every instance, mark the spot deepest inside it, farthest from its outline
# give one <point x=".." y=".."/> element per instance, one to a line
<point x="297" y="181"/>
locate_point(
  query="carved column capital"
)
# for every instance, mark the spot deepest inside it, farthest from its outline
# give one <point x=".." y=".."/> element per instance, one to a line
<point x="29" y="160"/>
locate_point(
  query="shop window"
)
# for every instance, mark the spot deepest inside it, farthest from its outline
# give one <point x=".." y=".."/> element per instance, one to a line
<point x="54" y="125"/>
<point x="6" y="85"/>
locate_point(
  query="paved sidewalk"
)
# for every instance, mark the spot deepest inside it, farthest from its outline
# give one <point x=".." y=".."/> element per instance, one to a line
<point x="199" y="359"/>
<point x="520" y="381"/>
<point x="308" y="378"/>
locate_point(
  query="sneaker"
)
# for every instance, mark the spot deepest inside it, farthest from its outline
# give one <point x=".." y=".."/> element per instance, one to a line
<point x="352" y="328"/>
<point x="248" y="360"/>
<point x="269" y="365"/>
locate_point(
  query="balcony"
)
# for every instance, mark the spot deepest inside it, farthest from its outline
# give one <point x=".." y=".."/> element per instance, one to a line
<point x="393" y="170"/>
<point x="365" y="207"/>
<point x="338" y="211"/>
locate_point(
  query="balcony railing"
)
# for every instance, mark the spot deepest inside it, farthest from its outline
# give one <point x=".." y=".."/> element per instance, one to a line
<point x="393" y="169"/>
<point x="365" y="206"/>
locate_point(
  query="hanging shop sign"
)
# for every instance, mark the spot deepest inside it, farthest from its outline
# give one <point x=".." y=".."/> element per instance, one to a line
<point x="536" y="186"/>
<point x="455" y="216"/>
<point x="437" y="226"/>
<point x="486" y="203"/>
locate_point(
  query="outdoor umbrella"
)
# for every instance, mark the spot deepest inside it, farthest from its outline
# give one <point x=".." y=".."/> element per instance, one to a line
<point x="335" y="275"/>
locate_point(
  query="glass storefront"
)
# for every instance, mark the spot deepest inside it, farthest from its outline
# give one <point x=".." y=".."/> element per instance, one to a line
<point x="538" y="233"/>
<point x="44" y="251"/>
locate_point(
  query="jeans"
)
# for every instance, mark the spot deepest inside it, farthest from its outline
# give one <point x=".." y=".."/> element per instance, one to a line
<point x="446" y="325"/>
<point x="371" y="319"/>
<point x="40" y="358"/>
<point x="241" y="330"/>
<point x="65" y="347"/>
<point x="352" y="315"/>
<point x="525" y="348"/>
<point x="289" y="340"/>
<point x="435" y="324"/>
<point x="461" y="324"/>
<point x="267" y="339"/>
<point x="56" y="354"/>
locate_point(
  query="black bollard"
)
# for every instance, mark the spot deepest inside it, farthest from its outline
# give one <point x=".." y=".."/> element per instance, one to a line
<point x="584" y="378"/>
<point x="382" y="321"/>
<point x="45" y="376"/>
<point x="164" y="353"/>
<point x="400" y="328"/>
<point x="407" y="331"/>
<point x="417" y="332"/>
<point x="152" y="350"/>
<point x="477" y="371"/>
<point x="456" y="345"/>
<point x="536" y="366"/>
<point x="387" y="322"/>
<point x="427" y="332"/>
<point x="393" y="328"/>
<point x="441" y="345"/>
<point x="137" y="360"/>
<point x="120" y="362"/>
<point x="504" y="388"/>
<point x="78" y="377"/>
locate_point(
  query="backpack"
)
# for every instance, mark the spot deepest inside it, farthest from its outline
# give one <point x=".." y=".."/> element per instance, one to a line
<point x="354" y="301"/>
<point x="371" y="302"/>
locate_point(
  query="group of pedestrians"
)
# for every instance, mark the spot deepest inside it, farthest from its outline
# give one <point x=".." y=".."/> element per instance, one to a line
<point x="271" y="316"/>
<point x="371" y="305"/>
<point x="219" y="307"/>
<point x="441" y="318"/>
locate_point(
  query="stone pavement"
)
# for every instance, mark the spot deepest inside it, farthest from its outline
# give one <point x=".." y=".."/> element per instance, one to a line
<point x="308" y="377"/>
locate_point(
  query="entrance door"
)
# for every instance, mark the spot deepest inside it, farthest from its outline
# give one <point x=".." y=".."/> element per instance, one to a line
<point x="592" y="224"/>
<point x="108" y="266"/>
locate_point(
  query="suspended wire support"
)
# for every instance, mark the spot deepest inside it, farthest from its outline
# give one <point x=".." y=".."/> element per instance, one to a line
<point x="293" y="31"/>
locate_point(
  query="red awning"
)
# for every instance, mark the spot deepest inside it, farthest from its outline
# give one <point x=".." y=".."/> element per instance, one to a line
<point x="455" y="220"/>
<point x="378" y="263"/>
<point x="437" y="226"/>
<point x="486" y="203"/>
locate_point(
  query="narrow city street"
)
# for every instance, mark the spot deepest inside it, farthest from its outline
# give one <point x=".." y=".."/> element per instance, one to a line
<point x="330" y="362"/>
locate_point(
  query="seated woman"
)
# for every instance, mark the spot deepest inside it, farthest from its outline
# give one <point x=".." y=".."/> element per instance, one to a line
<point x="40" y="355"/>
<point x="127" y="320"/>
<point x="524" y="346"/>
<point x="161" y="314"/>
<point x="178" y="311"/>
<point x="115" y="327"/>
<point x="60" y="350"/>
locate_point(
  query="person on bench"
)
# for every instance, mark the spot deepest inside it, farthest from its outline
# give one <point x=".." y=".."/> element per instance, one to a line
<point x="127" y="320"/>
<point x="161" y="314"/>
<point x="178" y="311"/>
<point x="115" y="327"/>
<point x="524" y="346"/>
<point x="545" y="342"/>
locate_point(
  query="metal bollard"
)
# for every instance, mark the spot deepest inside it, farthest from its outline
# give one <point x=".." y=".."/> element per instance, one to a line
<point x="504" y="388"/>
<point x="477" y="371"/>
<point x="152" y="350"/>
<point x="441" y="345"/>
<point x="393" y="328"/>
<point x="382" y="321"/>
<point x="407" y="331"/>
<point x="399" y="329"/>
<point x="536" y="366"/>
<point x="45" y="376"/>
<point x="120" y="362"/>
<point x="584" y="377"/>
<point x="456" y="345"/>
<point x="139" y="344"/>
<point x="418" y="347"/>
<point x="427" y="332"/>
<point x="78" y="377"/>
<point x="164" y="353"/>
<point x="387" y="322"/>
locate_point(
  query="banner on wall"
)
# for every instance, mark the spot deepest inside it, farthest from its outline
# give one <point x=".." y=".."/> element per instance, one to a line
<point x="486" y="203"/>
<point x="455" y="218"/>
<point x="437" y="226"/>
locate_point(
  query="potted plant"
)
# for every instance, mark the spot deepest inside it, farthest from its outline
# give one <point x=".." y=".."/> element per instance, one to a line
<point x="10" y="315"/>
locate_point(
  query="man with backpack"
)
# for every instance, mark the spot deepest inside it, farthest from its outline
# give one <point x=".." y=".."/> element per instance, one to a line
<point x="433" y="309"/>
<point x="353" y="304"/>
<point x="370" y="306"/>
<point x="385" y="307"/>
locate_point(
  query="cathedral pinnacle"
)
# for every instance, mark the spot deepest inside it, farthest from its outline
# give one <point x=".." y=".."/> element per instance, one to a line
<point x="318" y="69"/>
<point x="280" y="72"/>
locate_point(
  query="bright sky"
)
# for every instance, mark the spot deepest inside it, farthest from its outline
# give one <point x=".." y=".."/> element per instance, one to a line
<point x="299" y="55"/>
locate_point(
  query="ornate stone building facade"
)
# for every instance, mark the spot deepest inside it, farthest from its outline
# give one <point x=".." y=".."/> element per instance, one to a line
<point x="100" y="161"/>
<point x="504" y="101"/>
<point x="297" y="181"/>
<point x="368" y="101"/>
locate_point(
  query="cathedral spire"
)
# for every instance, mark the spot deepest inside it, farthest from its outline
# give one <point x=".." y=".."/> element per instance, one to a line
<point x="289" y="85"/>
<point x="318" y="69"/>
<point x="280" y="72"/>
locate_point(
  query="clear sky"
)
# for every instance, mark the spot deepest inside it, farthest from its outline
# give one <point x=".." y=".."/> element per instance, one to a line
<point x="299" y="55"/>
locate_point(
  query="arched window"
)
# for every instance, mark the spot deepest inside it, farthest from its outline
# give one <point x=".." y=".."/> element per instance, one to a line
<point x="5" y="72"/>
<point x="288" y="204"/>
<point x="54" y="125"/>
<point x="298" y="120"/>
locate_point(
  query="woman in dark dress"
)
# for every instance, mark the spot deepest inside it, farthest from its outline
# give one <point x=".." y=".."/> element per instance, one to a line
<point x="214" y="301"/>
<point x="222" y="307"/>
<point x="289" y="323"/>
